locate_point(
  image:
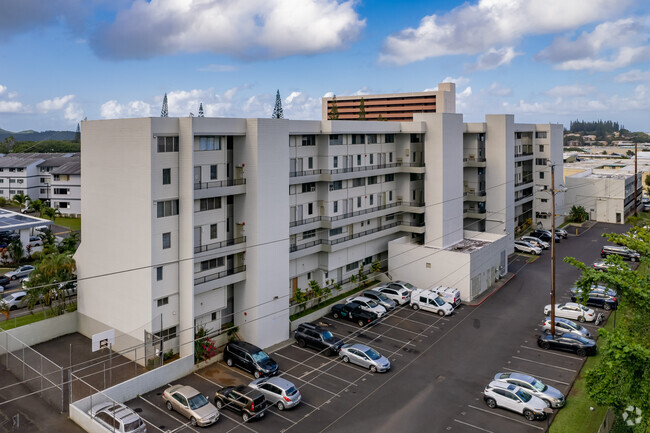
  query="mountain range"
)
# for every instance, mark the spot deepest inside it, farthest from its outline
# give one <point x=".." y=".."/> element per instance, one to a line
<point x="31" y="135"/>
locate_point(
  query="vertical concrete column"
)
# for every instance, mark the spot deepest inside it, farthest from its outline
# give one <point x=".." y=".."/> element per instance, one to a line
<point x="185" y="236"/>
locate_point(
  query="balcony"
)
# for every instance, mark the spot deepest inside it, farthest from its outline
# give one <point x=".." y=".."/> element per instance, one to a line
<point x="471" y="195"/>
<point x="474" y="162"/>
<point x="523" y="197"/>
<point x="354" y="169"/>
<point x="354" y="214"/>
<point x="219" y="188"/>
<point x="219" y="275"/>
<point x="218" y="245"/>
<point x="219" y="183"/>
<point x="474" y="213"/>
<point x="526" y="150"/>
<point x="527" y="178"/>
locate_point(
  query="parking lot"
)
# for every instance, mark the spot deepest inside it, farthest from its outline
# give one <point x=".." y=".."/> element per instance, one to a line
<point x="440" y="366"/>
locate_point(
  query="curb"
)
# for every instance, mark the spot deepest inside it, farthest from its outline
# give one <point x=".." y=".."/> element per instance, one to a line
<point x="493" y="291"/>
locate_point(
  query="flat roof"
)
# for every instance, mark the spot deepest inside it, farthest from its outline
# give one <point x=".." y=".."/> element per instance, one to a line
<point x="16" y="221"/>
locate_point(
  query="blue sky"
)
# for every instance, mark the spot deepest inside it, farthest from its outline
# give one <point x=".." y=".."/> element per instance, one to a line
<point x="542" y="60"/>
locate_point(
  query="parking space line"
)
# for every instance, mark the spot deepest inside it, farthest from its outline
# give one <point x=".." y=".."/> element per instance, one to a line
<point x="542" y="363"/>
<point x="472" y="425"/>
<point x="155" y="426"/>
<point x="168" y="413"/>
<point x="319" y="354"/>
<point x="313" y="369"/>
<point x="506" y="417"/>
<point x="401" y="329"/>
<point x="308" y="382"/>
<point x="417" y="321"/>
<point x="552" y="353"/>
<point x="535" y="375"/>
<point x="365" y="330"/>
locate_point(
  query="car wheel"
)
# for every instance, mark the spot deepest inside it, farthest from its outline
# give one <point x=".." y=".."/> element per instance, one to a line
<point x="361" y="322"/>
<point x="545" y="345"/>
<point x="13" y="277"/>
<point x="335" y="315"/>
<point x="280" y="405"/>
<point x="491" y="403"/>
<point x="607" y="306"/>
<point x="12" y="308"/>
<point x="302" y="342"/>
<point x="257" y="374"/>
<point x="416" y="307"/>
<point x="530" y="416"/>
<point x="373" y="369"/>
<point x="169" y="406"/>
<point x="219" y="403"/>
<point x="245" y="417"/>
<point x="441" y="313"/>
<point x="193" y="421"/>
<point x="581" y="352"/>
<point x="581" y="319"/>
<point x="229" y="362"/>
<point x="346" y="359"/>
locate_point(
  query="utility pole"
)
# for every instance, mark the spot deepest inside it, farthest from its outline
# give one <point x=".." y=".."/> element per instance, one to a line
<point x="553" y="250"/>
<point x="636" y="179"/>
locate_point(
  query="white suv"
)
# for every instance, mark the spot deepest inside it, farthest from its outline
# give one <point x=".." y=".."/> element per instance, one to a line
<point x="368" y="305"/>
<point x="507" y="396"/>
<point x="117" y="418"/>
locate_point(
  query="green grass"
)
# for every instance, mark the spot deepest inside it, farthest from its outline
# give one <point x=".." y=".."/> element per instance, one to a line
<point x="576" y="416"/>
<point x="24" y="320"/>
<point x="73" y="224"/>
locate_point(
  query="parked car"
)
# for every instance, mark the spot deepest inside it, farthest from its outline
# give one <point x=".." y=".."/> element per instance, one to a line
<point x="511" y="397"/>
<point x="250" y="358"/>
<point x="364" y="356"/>
<point x="599" y="266"/>
<point x="4" y="280"/>
<point x="34" y="241"/>
<point x="354" y="313"/>
<point x="318" y="337"/>
<point x="598" y="296"/>
<point x="367" y="304"/>
<point x="401" y="285"/>
<point x="28" y="210"/>
<point x="19" y="272"/>
<point x="249" y="402"/>
<point x="449" y="294"/>
<point x="429" y="300"/>
<point x="14" y="300"/>
<point x="572" y="311"/>
<point x="533" y="386"/>
<point x="581" y="346"/>
<point x="399" y="295"/>
<point x="117" y="418"/>
<point x="191" y="404"/>
<point x="624" y="252"/>
<point x="562" y="233"/>
<point x="544" y="235"/>
<point x="527" y="247"/>
<point x="535" y="242"/>
<point x="379" y="298"/>
<point x="278" y="391"/>
<point x="564" y="326"/>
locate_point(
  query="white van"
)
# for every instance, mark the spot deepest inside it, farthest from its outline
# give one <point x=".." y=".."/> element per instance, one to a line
<point x="429" y="300"/>
<point x="449" y="294"/>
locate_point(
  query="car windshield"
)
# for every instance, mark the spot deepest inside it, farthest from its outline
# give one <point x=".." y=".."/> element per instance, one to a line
<point x="260" y="356"/>
<point x="327" y="335"/>
<point x="584" y="308"/>
<point x="372" y="304"/>
<point x="539" y="386"/>
<point x="372" y="354"/>
<point x="132" y="425"/>
<point x="524" y="396"/>
<point x="198" y="401"/>
<point x="409" y="286"/>
<point x="382" y="297"/>
<point x="439" y="302"/>
<point x="583" y="340"/>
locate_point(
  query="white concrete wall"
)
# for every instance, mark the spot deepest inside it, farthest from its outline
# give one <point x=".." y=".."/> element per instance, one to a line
<point x="42" y="331"/>
<point x="602" y="198"/>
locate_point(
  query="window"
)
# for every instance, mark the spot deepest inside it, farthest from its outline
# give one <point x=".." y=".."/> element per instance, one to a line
<point x="166" y="240"/>
<point x="159" y="273"/>
<point x="43" y="190"/>
<point x="309" y="140"/>
<point x="390" y="195"/>
<point x="167" y="176"/>
<point x="389" y="177"/>
<point x="167" y="334"/>
<point x="62" y="191"/>
<point x="544" y="200"/>
<point x="309" y="234"/>
<point x="540" y="134"/>
<point x="389" y="138"/>
<point x="209" y="143"/>
<point x="358" y="182"/>
<point x="337" y="231"/>
<point x="390" y="217"/>
<point x="210" y="203"/>
<point x="336" y="206"/>
<point x="390" y="156"/>
<point x="213" y="231"/>
<point x="336" y="185"/>
<point x="167" y="208"/>
<point x="63" y="205"/>
<point x="213" y="172"/>
<point x="413" y="195"/>
<point x="372" y="158"/>
<point x="309" y="187"/>
<point x="541" y="148"/>
<point x="336" y="162"/>
<point x="367" y="260"/>
<point x="416" y="138"/>
<point x="518" y="135"/>
<point x="3" y="181"/>
<point x="540" y="161"/>
<point x="167" y="144"/>
<point x="163" y="301"/>
<point x="358" y="159"/>
<point x="20" y="181"/>
<point x="371" y="199"/>
<point x="372" y="138"/>
<point x="358" y="202"/>
<point x="358" y="139"/>
<point x="351" y="266"/>
<point x="372" y="180"/>
<point x="206" y="265"/>
<point x="335" y="139"/>
<point x="541" y="175"/>
<point x="310" y="208"/>
<point x="310" y="162"/>
<point x="213" y="316"/>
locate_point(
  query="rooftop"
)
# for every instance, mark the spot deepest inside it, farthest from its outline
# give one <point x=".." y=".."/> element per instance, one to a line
<point x="15" y="221"/>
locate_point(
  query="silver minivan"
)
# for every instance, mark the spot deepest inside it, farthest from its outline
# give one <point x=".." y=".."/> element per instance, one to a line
<point x="117" y="418"/>
<point x="278" y="391"/>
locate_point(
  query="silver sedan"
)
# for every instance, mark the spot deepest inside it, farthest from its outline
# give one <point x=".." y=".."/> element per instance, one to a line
<point x="364" y="356"/>
<point x="551" y="396"/>
<point x="278" y="391"/>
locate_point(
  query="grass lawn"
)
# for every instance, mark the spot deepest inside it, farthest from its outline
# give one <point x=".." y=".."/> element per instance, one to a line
<point x="23" y="320"/>
<point x="73" y="224"/>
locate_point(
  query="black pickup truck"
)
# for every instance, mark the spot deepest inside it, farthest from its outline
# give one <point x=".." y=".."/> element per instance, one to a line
<point x="353" y="313"/>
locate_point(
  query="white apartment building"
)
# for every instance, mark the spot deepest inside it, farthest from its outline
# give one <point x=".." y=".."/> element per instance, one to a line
<point x="65" y="187"/>
<point x="221" y="219"/>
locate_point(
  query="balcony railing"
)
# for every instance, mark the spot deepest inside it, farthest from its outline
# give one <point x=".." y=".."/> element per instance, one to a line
<point x="353" y="214"/>
<point x="219" y="183"/>
<point x="474" y="210"/>
<point x="525" y="151"/>
<point x="217" y="245"/>
<point x="525" y="179"/>
<point x="219" y="275"/>
<point x="523" y="197"/>
<point x="354" y="169"/>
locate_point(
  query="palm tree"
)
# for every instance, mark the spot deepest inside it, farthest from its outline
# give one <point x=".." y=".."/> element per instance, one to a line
<point x="37" y="205"/>
<point x="69" y="244"/>
<point x="50" y="213"/>
<point x="55" y="268"/>
<point x="48" y="239"/>
<point x="21" y="199"/>
<point x="16" y="250"/>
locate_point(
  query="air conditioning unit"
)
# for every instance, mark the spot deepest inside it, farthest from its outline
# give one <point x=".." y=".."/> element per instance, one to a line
<point x="472" y="157"/>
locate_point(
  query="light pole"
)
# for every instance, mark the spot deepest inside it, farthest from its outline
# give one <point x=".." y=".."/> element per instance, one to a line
<point x="552" y="250"/>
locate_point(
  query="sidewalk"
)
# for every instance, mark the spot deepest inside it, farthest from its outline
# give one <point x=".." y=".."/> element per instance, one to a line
<point x="573" y="229"/>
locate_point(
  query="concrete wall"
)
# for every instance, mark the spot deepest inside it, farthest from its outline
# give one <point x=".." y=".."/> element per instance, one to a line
<point x="45" y="330"/>
<point x="602" y="198"/>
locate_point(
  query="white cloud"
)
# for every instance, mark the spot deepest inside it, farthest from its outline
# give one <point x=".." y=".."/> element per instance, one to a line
<point x="55" y="104"/>
<point x="113" y="109"/>
<point x="611" y="45"/>
<point x="571" y="91"/>
<point x="218" y="68"/>
<point x="251" y="29"/>
<point x="2" y="89"/>
<point x="328" y="95"/>
<point x="474" y="28"/>
<point x="496" y="90"/>
<point x="11" y="107"/>
<point x="73" y="112"/>
<point x="494" y="58"/>
<point x="362" y="91"/>
<point x="633" y="76"/>
<point x="299" y="105"/>
<point x="460" y="81"/>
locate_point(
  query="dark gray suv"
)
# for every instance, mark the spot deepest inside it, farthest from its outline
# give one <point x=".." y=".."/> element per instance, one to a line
<point x="250" y="358"/>
<point x="318" y="337"/>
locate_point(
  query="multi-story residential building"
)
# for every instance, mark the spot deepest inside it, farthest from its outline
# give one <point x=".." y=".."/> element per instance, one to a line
<point x="227" y="217"/>
<point x="65" y="187"/>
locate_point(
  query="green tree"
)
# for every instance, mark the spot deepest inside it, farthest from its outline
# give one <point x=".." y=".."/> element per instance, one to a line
<point x="277" y="110"/>
<point x="647" y="181"/>
<point x="578" y="214"/>
<point x="50" y="213"/>
<point x="16" y="251"/>
<point x="37" y="205"/>
<point x="49" y="276"/>
<point x="69" y="245"/>
<point x="21" y="199"/>
<point x="362" y="110"/>
<point x="77" y="135"/>
<point x="376" y="266"/>
<point x="334" y="110"/>
<point x="164" y="112"/>
<point x="201" y="113"/>
<point x="316" y="291"/>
